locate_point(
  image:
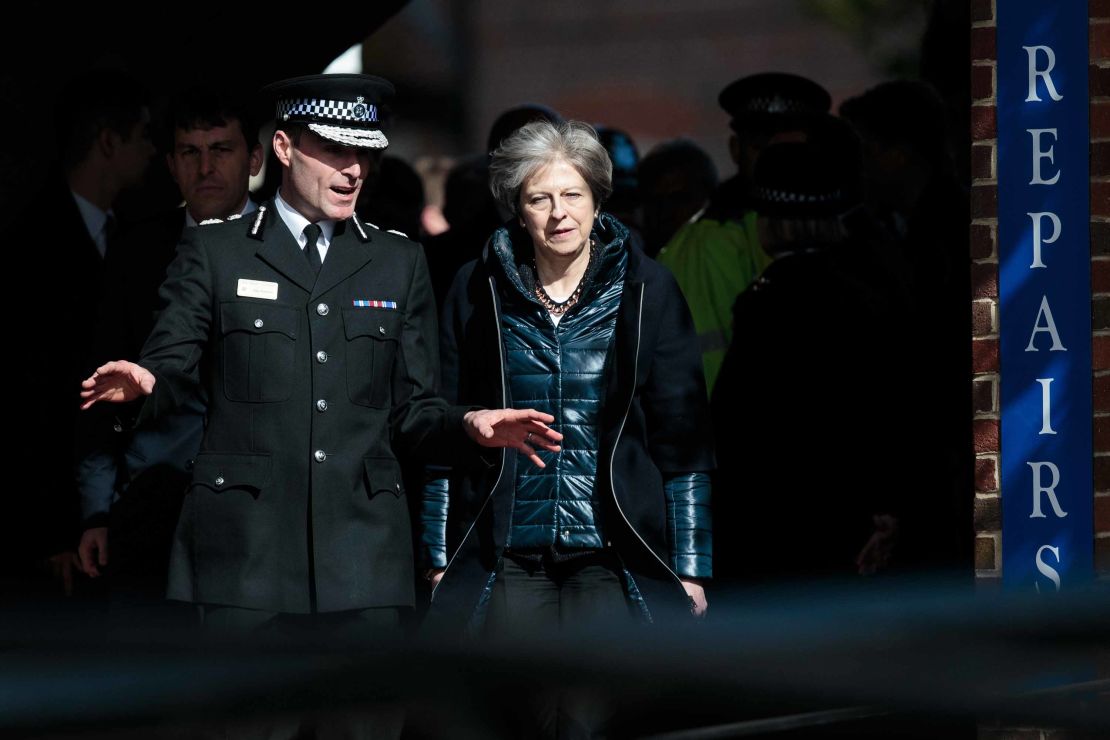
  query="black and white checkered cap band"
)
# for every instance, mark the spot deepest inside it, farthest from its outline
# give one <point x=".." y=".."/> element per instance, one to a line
<point x="355" y="111"/>
<point x="774" y="104"/>
<point x="768" y="195"/>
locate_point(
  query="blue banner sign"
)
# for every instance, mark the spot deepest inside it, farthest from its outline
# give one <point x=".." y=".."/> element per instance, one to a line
<point x="1044" y="295"/>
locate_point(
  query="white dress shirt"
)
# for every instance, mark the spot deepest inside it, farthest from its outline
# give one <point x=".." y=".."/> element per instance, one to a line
<point x="295" y="222"/>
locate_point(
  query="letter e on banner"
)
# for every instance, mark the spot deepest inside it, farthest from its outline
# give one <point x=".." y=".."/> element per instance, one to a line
<point x="1039" y="154"/>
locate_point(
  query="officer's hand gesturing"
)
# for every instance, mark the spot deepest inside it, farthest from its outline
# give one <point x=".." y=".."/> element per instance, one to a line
<point x="116" y="382"/>
<point x="522" y="429"/>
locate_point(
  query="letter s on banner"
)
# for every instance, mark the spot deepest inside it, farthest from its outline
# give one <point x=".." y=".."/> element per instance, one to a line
<point x="1047" y="570"/>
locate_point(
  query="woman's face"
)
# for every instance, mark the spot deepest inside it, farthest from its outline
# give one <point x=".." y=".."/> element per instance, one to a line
<point x="557" y="209"/>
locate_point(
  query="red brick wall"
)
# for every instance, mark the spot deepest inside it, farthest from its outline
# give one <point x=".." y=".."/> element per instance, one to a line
<point x="1099" y="77"/>
<point x="984" y="271"/>
<point x="984" y="277"/>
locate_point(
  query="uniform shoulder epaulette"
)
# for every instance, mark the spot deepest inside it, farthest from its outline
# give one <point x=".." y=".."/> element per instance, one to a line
<point x="388" y="231"/>
<point x="210" y="221"/>
<point x="761" y="283"/>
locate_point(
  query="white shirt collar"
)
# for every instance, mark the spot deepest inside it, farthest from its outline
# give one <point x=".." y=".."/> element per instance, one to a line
<point x="250" y="207"/>
<point x="295" y="222"/>
<point x="95" y="220"/>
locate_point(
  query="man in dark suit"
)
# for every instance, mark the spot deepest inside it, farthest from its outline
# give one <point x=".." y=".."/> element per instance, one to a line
<point x="314" y="335"/>
<point x="102" y="124"/>
<point x="212" y="151"/>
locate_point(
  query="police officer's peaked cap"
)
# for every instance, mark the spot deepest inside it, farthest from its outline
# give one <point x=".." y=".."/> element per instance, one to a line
<point x="346" y="108"/>
<point x="758" y="99"/>
<point x="817" y="178"/>
<point x="515" y="118"/>
<point x="797" y="180"/>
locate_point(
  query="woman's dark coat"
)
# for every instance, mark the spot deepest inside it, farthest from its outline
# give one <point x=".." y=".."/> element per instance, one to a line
<point x="654" y="424"/>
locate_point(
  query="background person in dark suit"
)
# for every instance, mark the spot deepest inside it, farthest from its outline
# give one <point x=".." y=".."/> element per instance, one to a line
<point x="212" y="151"/>
<point x="102" y="123"/>
<point x="314" y="336"/>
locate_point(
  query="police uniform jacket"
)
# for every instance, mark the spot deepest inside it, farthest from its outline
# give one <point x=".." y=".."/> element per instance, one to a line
<point x="314" y="382"/>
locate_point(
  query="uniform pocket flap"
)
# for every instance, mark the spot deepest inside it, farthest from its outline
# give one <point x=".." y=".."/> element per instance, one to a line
<point x="383" y="474"/>
<point x="220" y="471"/>
<point x="258" y="318"/>
<point x="379" y="323"/>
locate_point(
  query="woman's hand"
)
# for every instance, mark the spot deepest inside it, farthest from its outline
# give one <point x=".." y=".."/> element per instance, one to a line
<point x="696" y="592"/>
<point x="521" y="429"/>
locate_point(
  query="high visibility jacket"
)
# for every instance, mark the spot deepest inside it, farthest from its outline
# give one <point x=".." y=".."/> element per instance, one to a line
<point x="713" y="262"/>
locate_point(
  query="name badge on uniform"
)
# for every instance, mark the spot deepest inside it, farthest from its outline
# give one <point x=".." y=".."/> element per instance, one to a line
<point x="257" y="289"/>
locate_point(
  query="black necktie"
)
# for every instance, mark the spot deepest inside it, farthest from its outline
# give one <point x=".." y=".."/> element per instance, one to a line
<point x="311" y="251"/>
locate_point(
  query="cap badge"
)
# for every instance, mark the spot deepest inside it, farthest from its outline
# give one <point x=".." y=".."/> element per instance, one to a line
<point x="360" y="108"/>
<point x="777" y="105"/>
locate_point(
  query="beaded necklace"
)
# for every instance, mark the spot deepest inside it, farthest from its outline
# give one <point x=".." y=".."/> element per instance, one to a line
<point x="561" y="307"/>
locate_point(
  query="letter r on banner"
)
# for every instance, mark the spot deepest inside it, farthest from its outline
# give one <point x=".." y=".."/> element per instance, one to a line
<point x="1044" y="74"/>
<point x="1050" y="489"/>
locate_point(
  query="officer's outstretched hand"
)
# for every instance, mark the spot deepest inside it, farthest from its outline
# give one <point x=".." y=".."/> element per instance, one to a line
<point x="522" y="429"/>
<point x="116" y="382"/>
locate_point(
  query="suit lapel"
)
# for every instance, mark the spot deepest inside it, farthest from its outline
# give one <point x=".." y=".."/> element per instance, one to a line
<point x="346" y="256"/>
<point x="280" y="250"/>
<point x="84" y="248"/>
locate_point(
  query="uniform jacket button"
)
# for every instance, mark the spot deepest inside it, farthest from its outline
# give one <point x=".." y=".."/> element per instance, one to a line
<point x="219" y="481"/>
<point x="320" y="456"/>
<point x="381" y="330"/>
<point x="322" y="309"/>
<point x="258" y="323"/>
<point x="322" y="405"/>
<point x="321" y="356"/>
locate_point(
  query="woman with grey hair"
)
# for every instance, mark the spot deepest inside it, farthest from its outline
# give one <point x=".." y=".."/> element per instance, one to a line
<point x="562" y="314"/>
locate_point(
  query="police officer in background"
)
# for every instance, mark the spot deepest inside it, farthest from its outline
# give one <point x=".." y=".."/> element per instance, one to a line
<point x="68" y="234"/>
<point x="314" y="335"/>
<point x="804" y="481"/>
<point x="212" y="151"/>
<point x="718" y="255"/>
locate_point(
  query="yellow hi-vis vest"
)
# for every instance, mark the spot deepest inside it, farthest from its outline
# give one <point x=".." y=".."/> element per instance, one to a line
<point x="713" y="262"/>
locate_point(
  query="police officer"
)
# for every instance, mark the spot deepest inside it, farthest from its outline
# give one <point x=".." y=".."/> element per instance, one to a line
<point x="314" y="335"/>
<point x="718" y="255"/>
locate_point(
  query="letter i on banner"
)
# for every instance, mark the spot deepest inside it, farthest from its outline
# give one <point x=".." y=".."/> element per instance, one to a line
<point x="1044" y="300"/>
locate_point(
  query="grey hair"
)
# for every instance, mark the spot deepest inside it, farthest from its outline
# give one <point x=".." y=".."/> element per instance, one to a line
<point x="540" y="143"/>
